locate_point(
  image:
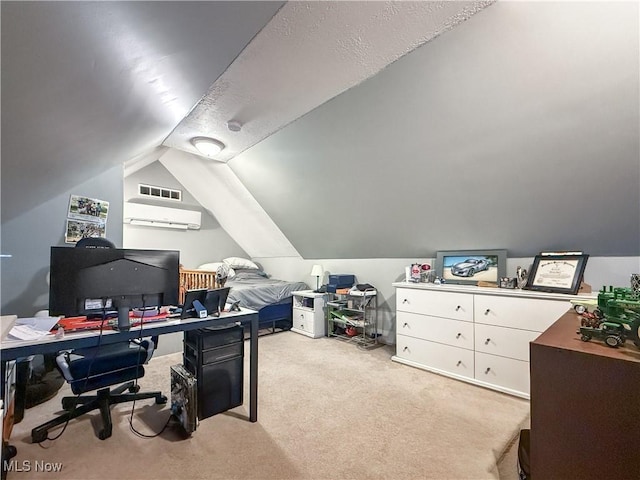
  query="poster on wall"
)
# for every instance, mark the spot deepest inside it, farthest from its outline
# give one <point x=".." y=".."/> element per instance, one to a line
<point x="88" y="209"/>
<point x="78" y="229"/>
<point x="87" y="217"/>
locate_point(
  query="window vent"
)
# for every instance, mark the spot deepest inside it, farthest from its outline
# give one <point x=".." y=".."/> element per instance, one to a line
<point x="159" y="192"/>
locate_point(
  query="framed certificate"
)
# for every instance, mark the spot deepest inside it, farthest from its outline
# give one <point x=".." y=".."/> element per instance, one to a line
<point x="557" y="273"/>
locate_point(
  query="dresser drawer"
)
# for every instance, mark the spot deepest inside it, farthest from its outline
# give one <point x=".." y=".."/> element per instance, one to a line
<point x="443" y="330"/>
<point x="523" y="313"/>
<point x="458" y="306"/>
<point x="506" y="342"/>
<point x="435" y="355"/>
<point x="503" y="372"/>
<point x="303" y="320"/>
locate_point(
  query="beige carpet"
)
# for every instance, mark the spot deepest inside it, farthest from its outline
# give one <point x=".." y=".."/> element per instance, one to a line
<point x="327" y="410"/>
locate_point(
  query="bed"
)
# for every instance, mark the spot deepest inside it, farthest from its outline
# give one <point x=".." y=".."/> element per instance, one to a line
<point x="251" y="287"/>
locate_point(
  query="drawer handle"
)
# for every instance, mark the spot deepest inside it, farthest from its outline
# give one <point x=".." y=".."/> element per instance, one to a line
<point x="487" y="370"/>
<point x="405" y="301"/>
<point x="486" y="342"/>
<point x="405" y="325"/>
<point x="459" y="363"/>
<point x="458" y="308"/>
<point x="405" y="349"/>
<point x="486" y="312"/>
<point x="458" y="335"/>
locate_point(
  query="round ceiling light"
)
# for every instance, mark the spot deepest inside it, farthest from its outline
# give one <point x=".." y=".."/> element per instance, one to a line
<point x="207" y="146"/>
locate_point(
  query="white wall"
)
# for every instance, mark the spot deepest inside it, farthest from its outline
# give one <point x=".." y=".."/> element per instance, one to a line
<point x="210" y="243"/>
<point x="381" y="273"/>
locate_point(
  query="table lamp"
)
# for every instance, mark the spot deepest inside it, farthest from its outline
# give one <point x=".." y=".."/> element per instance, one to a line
<point x="317" y="271"/>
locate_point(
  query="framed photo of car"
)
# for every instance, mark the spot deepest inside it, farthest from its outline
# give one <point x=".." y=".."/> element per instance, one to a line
<point x="557" y="273"/>
<point x="471" y="266"/>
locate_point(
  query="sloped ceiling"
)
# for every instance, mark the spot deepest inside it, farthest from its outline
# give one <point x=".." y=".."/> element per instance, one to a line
<point x="307" y="54"/>
<point x="517" y="129"/>
<point x="89" y="85"/>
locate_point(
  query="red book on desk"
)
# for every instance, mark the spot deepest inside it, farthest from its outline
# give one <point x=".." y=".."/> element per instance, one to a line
<point x="75" y="324"/>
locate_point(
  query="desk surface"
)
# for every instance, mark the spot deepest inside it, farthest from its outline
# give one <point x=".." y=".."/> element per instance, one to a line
<point x="12" y="349"/>
<point x="563" y="334"/>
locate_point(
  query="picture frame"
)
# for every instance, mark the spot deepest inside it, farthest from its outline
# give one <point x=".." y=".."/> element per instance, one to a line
<point x="471" y="266"/>
<point x="557" y="273"/>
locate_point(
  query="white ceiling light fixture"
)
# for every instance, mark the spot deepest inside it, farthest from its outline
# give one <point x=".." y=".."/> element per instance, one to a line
<point x="207" y="146"/>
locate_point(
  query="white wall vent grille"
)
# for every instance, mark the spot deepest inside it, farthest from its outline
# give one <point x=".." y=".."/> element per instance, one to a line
<point x="159" y="192"/>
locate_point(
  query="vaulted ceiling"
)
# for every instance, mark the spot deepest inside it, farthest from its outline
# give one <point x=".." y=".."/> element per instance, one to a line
<point x="428" y="148"/>
<point x="87" y="85"/>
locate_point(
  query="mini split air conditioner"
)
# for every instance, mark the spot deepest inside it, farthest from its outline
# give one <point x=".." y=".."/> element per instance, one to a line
<point x="163" y="217"/>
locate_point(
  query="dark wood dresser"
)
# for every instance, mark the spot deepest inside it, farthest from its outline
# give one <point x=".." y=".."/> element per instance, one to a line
<point x="585" y="406"/>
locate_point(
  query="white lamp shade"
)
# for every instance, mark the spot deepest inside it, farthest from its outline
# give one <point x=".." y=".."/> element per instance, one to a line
<point x="317" y="271"/>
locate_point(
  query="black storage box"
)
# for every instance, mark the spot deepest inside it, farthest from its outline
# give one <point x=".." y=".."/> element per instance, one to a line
<point x="215" y="357"/>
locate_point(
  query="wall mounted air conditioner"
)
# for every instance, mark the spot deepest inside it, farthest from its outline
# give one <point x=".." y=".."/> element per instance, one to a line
<point x="163" y="217"/>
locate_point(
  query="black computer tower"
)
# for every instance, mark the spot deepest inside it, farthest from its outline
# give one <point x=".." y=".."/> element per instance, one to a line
<point x="216" y="357"/>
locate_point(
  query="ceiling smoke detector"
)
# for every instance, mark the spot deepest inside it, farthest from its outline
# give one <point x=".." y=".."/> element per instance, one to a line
<point x="234" y="125"/>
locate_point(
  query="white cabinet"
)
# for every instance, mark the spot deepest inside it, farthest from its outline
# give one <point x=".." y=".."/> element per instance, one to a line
<point x="308" y="313"/>
<point x="479" y="335"/>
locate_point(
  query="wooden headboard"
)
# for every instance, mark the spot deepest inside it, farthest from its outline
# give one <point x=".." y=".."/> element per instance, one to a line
<point x="190" y="279"/>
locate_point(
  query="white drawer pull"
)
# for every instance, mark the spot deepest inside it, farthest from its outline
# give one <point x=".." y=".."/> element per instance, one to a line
<point x="486" y="312"/>
<point x="458" y="335"/>
<point x="405" y="349"/>
<point x="486" y="342"/>
<point x="459" y="363"/>
<point x="405" y="325"/>
<point x="458" y="308"/>
<point x="487" y="370"/>
<point x="405" y="301"/>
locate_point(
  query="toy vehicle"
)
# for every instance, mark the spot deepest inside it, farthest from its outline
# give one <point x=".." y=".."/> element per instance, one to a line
<point x="469" y="267"/>
<point x="586" y="305"/>
<point x="619" y="318"/>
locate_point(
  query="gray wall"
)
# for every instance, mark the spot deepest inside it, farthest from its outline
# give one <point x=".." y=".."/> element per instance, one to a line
<point x="518" y="129"/>
<point x="29" y="236"/>
<point x="209" y="244"/>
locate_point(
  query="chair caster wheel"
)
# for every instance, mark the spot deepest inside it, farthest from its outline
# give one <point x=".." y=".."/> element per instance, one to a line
<point x="9" y="452"/>
<point x="161" y="400"/>
<point x="68" y="404"/>
<point x="104" y="434"/>
<point x="134" y="389"/>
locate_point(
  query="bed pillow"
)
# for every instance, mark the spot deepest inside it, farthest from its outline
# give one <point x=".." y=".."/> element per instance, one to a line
<point x="210" y="267"/>
<point x="240" y="263"/>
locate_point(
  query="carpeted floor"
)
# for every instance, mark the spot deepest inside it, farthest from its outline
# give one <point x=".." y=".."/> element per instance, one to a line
<point x="327" y="410"/>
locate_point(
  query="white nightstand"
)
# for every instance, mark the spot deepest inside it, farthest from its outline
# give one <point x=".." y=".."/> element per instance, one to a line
<point x="308" y="313"/>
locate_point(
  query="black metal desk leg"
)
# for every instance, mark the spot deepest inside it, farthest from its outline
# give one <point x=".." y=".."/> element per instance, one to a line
<point x="253" y="370"/>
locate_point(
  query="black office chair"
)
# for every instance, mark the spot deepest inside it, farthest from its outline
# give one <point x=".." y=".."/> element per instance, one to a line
<point x="98" y="368"/>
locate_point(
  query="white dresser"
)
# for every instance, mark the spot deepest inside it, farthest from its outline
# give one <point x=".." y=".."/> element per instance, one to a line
<point x="479" y="335"/>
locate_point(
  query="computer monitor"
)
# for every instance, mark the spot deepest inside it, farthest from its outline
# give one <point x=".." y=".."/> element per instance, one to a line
<point x="190" y="296"/>
<point x="93" y="281"/>
<point x="216" y="300"/>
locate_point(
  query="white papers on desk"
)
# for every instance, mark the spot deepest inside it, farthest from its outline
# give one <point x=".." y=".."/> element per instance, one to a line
<point x="32" y="328"/>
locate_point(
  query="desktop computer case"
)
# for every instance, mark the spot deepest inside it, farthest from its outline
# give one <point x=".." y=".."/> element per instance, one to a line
<point x="184" y="392"/>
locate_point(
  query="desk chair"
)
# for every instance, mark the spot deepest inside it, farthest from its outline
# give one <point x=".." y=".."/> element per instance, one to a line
<point x="98" y="368"/>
